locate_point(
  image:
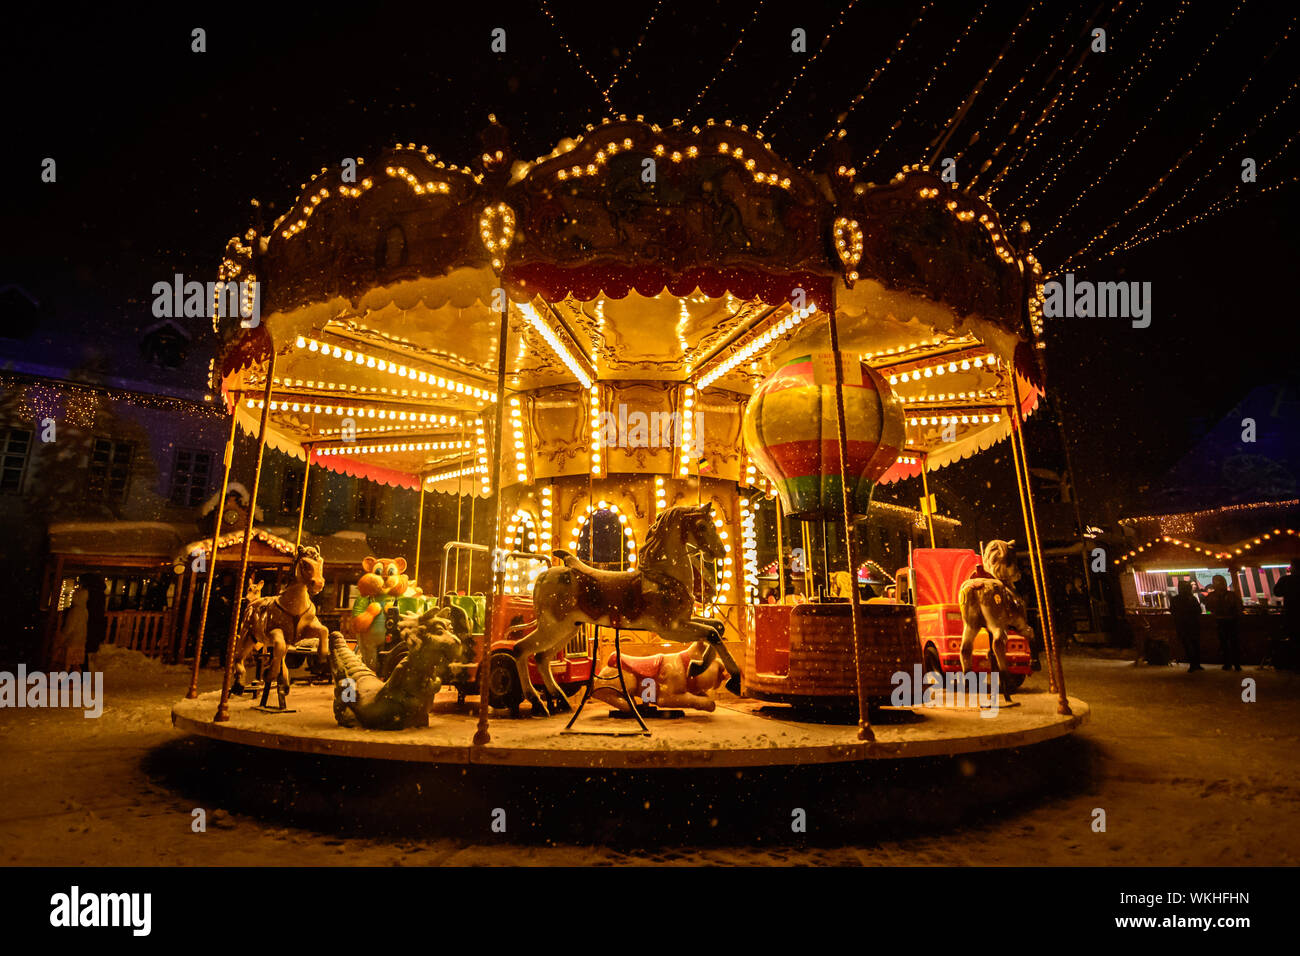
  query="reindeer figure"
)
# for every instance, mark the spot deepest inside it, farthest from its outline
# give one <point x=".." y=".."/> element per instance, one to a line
<point x="283" y="619"/>
<point x="988" y="599"/>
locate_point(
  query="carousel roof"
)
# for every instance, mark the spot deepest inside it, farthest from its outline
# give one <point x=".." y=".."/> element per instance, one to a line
<point x="693" y="257"/>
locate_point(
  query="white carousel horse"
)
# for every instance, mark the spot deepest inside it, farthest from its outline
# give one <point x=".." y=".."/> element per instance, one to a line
<point x="658" y="596"/>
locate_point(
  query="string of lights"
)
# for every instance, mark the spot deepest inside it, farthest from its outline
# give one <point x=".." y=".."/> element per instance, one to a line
<point x="950" y="126"/>
<point x="930" y="82"/>
<point x="839" y="22"/>
<point x="758" y="8"/>
<point x="1200" y="140"/>
<point x="1218" y="164"/>
<point x="980" y="136"/>
<point x="1049" y="172"/>
<point x="604" y="95"/>
<point x="1119" y="155"/>
<point x="1061" y="96"/>
<point x="866" y="89"/>
<point x="618" y="74"/>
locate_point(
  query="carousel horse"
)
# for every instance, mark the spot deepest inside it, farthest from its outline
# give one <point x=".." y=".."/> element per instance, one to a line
<point x="988" y="599"/>
<point x="657" y="596"/>
<point x="281" y="620"/>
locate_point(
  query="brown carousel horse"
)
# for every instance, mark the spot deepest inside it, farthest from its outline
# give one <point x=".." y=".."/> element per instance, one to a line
<point x="282" y="620"/>
<point x="988" y="599"/>
<point x="657" y="597"/>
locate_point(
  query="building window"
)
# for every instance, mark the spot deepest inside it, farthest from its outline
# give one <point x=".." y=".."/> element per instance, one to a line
<point x="370" y="503"/>
<point x="110" y="470"/>
<point x="190" y="477"/>
<point x="291" y="491"/>
<point x="17" y="442"/>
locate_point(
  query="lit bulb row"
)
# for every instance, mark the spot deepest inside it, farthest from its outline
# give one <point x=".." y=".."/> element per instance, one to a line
<point x="939" y="368"/>
<point x="521" y="450"/>
<point x="404" y="174"/>
<point x="593" y="416"/>
<point x="480" y="442"/>
<point x="848" y="245"/>
<point x="688" y="431"/>
<point x="749" y="554"/>
<point x="956" y="420"/>
<point x="355" y="412"/>
<point x="933" y="397"/>
<point x="722" y="566"/>
<point x="675" y="156"/>
<point x="369" y="361"/>
<point x="1206" y="551"/>
<point x="755" y="345"/>
<point x="661" y="495"/>
<point x="496" y="242"/>
<point x="401" y="446"/>
<point x="521" y="535"/>
<point x="547" y="524"/>
<point x="553" y="340"/>
<point x="453" y="473"/>
<point x="307" y="209"/>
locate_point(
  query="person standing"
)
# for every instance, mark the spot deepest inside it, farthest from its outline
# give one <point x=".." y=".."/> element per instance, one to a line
<point x="1286" y="648"/>
<point x="70" y="654"/>
<point x="96" y="616"/>
<point x="1225" y="605"/>
<point x="1187" y="610"/>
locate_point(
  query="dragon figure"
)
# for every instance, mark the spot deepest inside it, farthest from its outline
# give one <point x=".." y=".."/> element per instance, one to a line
<point x="433" y="654"/>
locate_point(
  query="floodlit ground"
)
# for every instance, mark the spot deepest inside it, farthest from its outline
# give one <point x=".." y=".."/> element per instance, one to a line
<point x="1186" y="772"/>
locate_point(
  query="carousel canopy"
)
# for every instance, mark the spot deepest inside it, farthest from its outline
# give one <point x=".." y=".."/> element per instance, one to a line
<point x="666" y="269"/>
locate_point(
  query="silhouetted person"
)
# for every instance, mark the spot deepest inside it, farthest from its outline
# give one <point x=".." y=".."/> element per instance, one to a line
<point x="1287" y="650"/>
<point x="1187" y="610"/>
<point x="1225" y="606"/>
<point x="220" y="607"/>
<point x="96" y="614"/>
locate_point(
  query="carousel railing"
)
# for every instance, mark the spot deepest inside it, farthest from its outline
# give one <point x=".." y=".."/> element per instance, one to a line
<point x="143" y="631"/>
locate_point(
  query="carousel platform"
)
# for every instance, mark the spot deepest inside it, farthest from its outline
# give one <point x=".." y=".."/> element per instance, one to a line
<point x="740" y="733"/>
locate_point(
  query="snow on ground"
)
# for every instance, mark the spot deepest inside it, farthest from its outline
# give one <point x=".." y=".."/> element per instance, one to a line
<point x="1187" y="773"/>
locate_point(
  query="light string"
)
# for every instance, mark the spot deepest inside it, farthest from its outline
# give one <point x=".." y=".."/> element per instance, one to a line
<point x="839" y="22"/>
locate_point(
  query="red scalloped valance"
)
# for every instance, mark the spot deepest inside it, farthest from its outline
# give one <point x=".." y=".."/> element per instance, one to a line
<point x="615" y="281"/>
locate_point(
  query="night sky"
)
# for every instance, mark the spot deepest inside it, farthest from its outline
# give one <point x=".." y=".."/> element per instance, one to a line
<point x="159" y="150"/>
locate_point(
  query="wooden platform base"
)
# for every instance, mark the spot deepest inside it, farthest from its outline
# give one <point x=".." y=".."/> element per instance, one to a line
<point x="740" y="733"/>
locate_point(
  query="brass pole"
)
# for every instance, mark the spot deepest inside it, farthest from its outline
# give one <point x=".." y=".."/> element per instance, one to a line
<point x="780" y="550"/>
<point x="1033" y="565"/>
<point x="807" y="561"/>
<point x="481" y="735"/>
<point x="419" y="532"/>
<point x="1062" y="702"/>
<point x="223" y="707"/>
<point x="925" y="490"/>
<point x="469" y="565"/>
<point x="302" y="505"/>
<point x="460" y="501"/>
<point x="193" y="692"/>
<point x="841" y="434"/>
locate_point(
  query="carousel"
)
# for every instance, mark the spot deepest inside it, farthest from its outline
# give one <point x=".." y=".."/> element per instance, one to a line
<point x="625" y="353"/>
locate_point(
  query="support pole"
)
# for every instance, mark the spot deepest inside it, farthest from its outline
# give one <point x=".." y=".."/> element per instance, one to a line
<point x="850" y="549"/>
<point x="469" y="569"/>
<point x="1033" y="560"/>
<point x="419" y="533"/>
<point x="460" y="501"/>
<point x="807" y="562"/>
<point x="1062" y="703"/>
<point x="193" y="692"/>
<point x="481" y="735"/>
<point x="925" y="490"/>
<point x="780" y="550"/>
<point x="302" y="505"/>
<point x="223" y="707"/>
